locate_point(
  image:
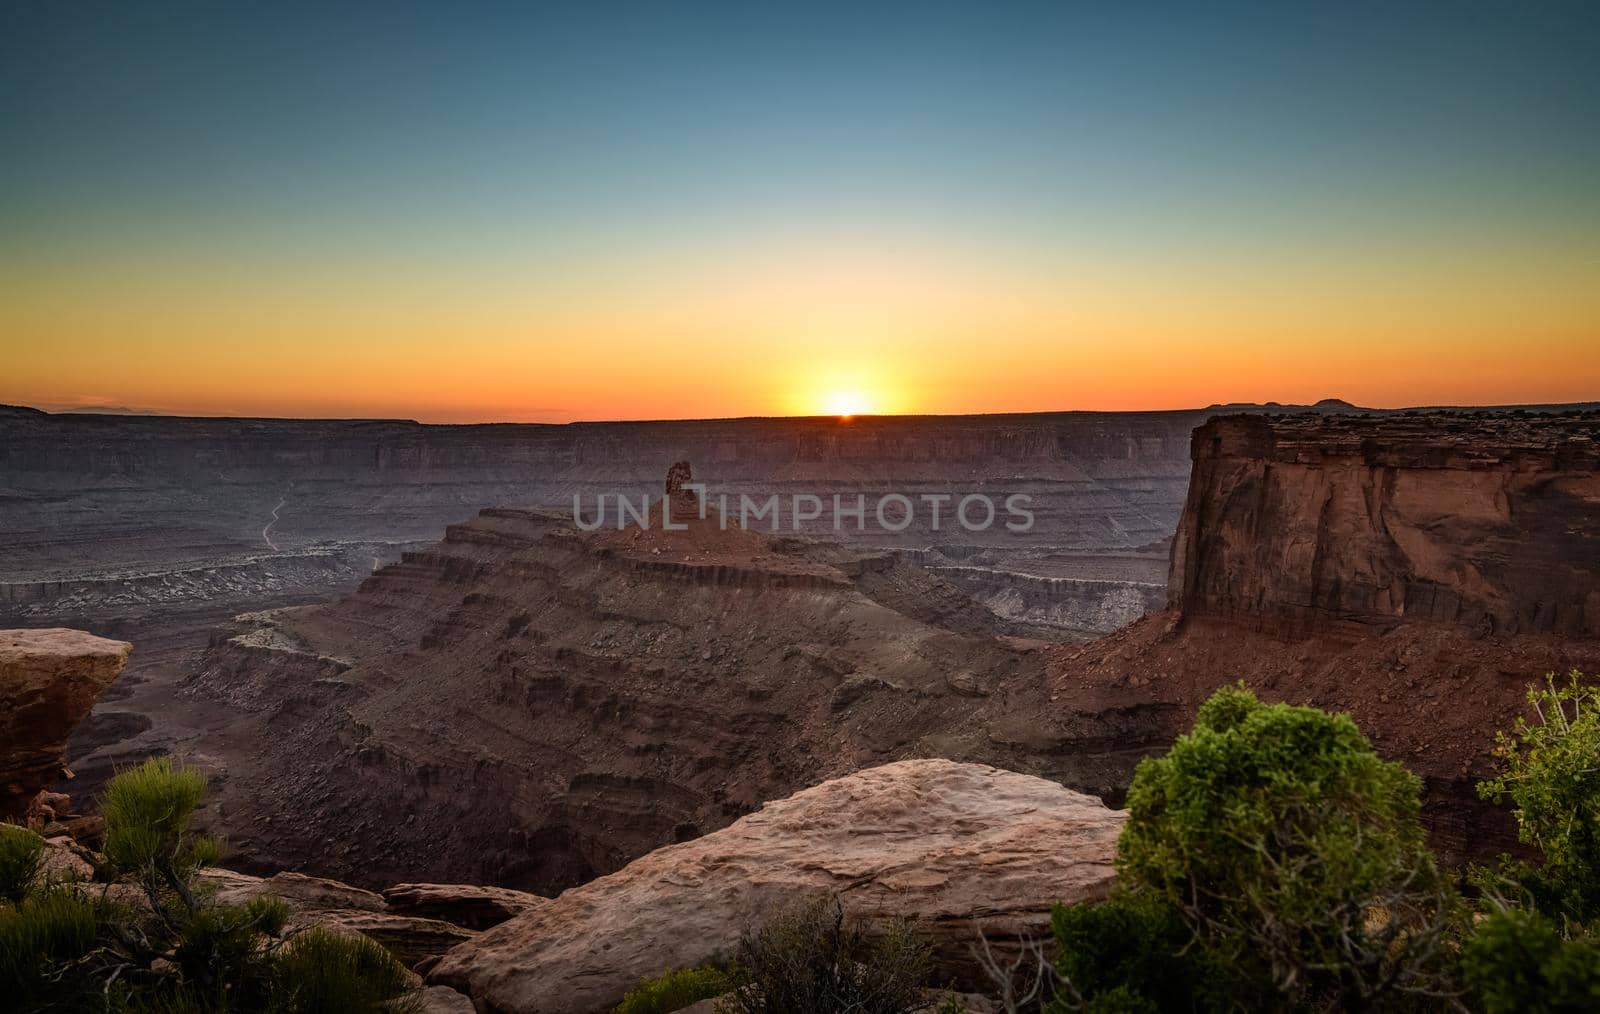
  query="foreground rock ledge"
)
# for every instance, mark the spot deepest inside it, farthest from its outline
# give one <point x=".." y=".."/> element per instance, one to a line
<point x="49" y="679"/>
<point x="964" y="849"/>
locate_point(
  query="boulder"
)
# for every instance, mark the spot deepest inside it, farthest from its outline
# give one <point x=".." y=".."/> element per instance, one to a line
<point x="49" y="679"/>
<point x="442" y="1000"/>
<point x="410" y="939"/>
<point x="65" y="859"/>
<point x="340" y="908"/>
<point x="965" y="850"/>
<point x="472" y="906"/>
<point x="298" y="891"/>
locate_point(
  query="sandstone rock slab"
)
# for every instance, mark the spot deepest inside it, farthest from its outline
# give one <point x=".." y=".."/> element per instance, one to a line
<point x="297" y="890"/>
<point x="442" y="1000"/>
<point x="964" y="849"/>
<point x="469" y="905"/>
<point x="340" y="908"/>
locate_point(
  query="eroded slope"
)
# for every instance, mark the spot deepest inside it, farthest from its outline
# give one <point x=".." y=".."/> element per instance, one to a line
<point x="530" y="705"/>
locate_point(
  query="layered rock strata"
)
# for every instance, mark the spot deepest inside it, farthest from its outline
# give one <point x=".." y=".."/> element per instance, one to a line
<point x="1489" y="523"/>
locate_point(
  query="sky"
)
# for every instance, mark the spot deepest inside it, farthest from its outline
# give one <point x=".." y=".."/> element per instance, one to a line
<point x="539" y="212"/>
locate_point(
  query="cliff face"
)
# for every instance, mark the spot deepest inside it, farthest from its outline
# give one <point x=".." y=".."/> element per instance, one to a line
<point x="1489" y="523"/>
<point x="44" y="449"/>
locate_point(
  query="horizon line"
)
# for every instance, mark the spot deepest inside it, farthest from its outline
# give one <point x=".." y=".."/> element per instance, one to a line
<point x="1332" y="406"/>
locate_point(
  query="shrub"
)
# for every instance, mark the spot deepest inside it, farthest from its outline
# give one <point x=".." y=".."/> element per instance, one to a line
<point x="323" y="973"/>
<point x="1553" y="781"/>
<point x="1121" y="1000"/>
<point x="51" y="929"/>
<point x="1291" y="856"/>
<point x="147" y="811"/>
<point x="808" y="960"/>
<point x="1539" y="949"/>
<point x="1102" y="948"/>
<point x="21" y="852"/>
<point x="1519" y="961"/>
<point x="675" y="990"/>
<point x="219" y="949"/>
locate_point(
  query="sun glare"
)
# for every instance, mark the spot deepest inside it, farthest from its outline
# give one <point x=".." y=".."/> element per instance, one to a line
<point x="845" y="404"/>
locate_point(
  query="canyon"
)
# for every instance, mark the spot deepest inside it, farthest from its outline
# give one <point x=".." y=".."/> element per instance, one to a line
<point x="525" y="704"/>
<point x="1416" y="570"/>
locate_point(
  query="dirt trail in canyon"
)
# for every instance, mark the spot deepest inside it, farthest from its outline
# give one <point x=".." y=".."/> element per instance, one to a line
<point x="267" y="528"/>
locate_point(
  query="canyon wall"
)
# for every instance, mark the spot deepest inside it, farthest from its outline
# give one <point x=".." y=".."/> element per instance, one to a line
<point x="105" y="518"/>
<point x="1488" y="522"/>
<point x="1057" y="607"/>
<point x="171" y="450"/>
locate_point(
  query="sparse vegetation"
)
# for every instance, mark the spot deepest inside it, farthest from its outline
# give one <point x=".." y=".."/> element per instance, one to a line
<point x="147" y="810"/>
<point x="674" y="990"/>
<point x="1104" y="948"/>
<point x="322" y="973"/>
<point x="808" y="959"/>
<point x="44" y="941"/>
<point x="68" y="947"/>
<point x="1520" y="961"/>
<point x="20" y="854"/>
<point x="1552" y="778"/>
<point x="1538" y="948"/>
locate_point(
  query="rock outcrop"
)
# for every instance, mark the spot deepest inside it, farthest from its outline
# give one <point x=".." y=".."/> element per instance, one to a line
<point x="1490" y="523"/>
<point x="966" y="850"/>
<point x="682" y="502"/>
<point x="341" y="908"/>
<point x="475" y="907"/>
<point x="1416" y="571"/>
<point x="49" y="679"/>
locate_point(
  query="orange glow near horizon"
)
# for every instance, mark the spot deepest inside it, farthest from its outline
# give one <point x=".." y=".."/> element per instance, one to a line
<point x="808" y="331"/>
